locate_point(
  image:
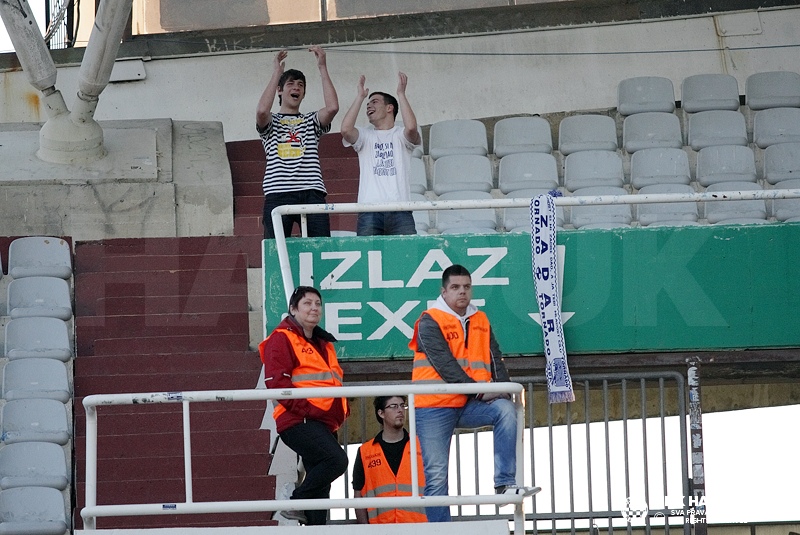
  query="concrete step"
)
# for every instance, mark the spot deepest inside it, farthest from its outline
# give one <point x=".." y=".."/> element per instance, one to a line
<point x="247" y="150"/>
<point x="165" y="344"/>
<point x="162" y="262"/>
<point x="167" y="363"/>
<point x="129" y="325"/>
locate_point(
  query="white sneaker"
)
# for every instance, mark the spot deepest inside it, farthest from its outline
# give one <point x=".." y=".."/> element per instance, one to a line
<point x="285" y="493"/>
<point x="517" y="490"/>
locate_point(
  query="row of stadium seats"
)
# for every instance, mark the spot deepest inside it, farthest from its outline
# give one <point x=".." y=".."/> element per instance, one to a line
<point x="520" y="171"/>
<point x="34" y="473"/>
<point x="587" y="217"/>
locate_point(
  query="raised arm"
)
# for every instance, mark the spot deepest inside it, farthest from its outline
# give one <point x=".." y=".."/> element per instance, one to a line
<point x="263" y="110"/>
<point x="349" y="131"/>
<point x="331" y="108"/>
<point x="409" y="119"/>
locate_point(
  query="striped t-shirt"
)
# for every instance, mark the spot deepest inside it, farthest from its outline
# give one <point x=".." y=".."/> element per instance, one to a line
<point x="291" y="145"/>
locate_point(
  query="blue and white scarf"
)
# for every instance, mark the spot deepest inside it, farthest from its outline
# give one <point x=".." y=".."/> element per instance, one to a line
<point x="545" y="279"/>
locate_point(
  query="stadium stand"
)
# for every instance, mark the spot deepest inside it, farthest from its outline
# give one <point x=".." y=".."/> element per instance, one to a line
<point x="466" y="221"/>
<point x="667" y="214"/>
<point x="417" y="176"/>
<point x="39" y="296"/>
<point x="593" y="168"/>
<point x="38" y="256"/>
<point x="36" y="378"/>
<point x="787" y="210"/>
<point x="519" y="219"/>
<point x="704" y="92"/>
<point x="586" y="132"/>
<point x="776" y="89"/>
<point x="725" y="163"/>
<point x="651" y="130"/>
<point x="776" y="125"/>
<point x="33" y="464"/>
<point x="526" y="170"/>
<point x="717" y="127"/>
<point x="735" y="212"/>
<point x="422" y="220"/>
<point x="462" y="173"/>
<point x="35" y="420"/>
<point x="659" y="166"/>
<point x="32" y="511"/>
<point x="645" y="93"/>
<point x="522" y="134"/>
<point x="37" y="338"/>
<point x="782" y="162"/>
<point x="458" y="136"/>
<point x="601" y="216"/>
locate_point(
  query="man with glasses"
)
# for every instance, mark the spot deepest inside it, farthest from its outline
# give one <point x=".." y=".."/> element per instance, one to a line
<point x="383" y="466"/>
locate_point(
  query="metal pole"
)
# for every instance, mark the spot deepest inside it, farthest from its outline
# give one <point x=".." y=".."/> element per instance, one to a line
<point x="91" y="464"/>
<point x="187" y="451"/>
<point x="283" y="253"/>
<point x="412" y="429"/>
<point x="696" y="503"/>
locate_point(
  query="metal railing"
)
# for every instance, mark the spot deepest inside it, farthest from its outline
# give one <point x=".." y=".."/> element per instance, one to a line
<point x="92" y="511"/>
<point x="305" y="209"/>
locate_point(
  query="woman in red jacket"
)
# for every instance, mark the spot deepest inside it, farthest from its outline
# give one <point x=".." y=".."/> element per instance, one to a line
<point x="300" y="354"/>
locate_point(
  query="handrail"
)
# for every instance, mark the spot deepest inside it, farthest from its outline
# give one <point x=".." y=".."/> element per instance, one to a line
<point x="91" y="510"/>
<point x="305" y="209"/>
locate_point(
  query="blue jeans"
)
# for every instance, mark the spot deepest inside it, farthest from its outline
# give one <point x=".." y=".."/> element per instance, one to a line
<point x="318" y="224"/>
<point x="385" y="224"/>
<point x="435" y="426"/>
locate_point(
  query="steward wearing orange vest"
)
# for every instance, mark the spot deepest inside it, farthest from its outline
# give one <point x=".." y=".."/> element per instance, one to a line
<point x="453" y="343"/>
<point x="383" y="466"/>
<point x="299" y="354"/>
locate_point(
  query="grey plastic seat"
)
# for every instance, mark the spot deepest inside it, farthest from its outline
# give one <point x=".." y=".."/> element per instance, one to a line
<point x="787" y="209"/>
<point x="776" y="89"/>
<point x="466" y="221"/>
<point x="726" y="163"/>
<point x="776" y="125"/>
<point x="587" y="132"/>
<point x="601" y="216"/>
<point x="736" y="212"/>
<point x="659" y="166"/>
<point x="36" y="378"/>
<point x="37" y="338"/>
<point x="462" y="173"/>
<point x="527" y="170"/>
<point x="522" y="134"/>
<point x="35" y="420"/>
<point x="645" y="93"/>
<point x="519" y="219"/>
<point x="33" y="464"/>
<point x="651" y="130"/>
<point x="39" y="257"/>
<point x="417" y="176"/>
<point x="39" y="296"/>
<point x="459" y="136"/>
<point x="593" y="168"/>
<point x="668" y="213"/>
<point x="717" y="127"/>
<point x="422" y="220"/>
<point x="782" y="162"/>
<point x="704" y="92"/>
<point x="32" y="511"/>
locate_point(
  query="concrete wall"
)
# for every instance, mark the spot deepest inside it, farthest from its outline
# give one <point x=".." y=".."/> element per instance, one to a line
<point x="459" y="76"/>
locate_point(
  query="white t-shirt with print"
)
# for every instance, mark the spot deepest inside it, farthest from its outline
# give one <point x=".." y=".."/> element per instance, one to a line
<point x="384" y="159"/>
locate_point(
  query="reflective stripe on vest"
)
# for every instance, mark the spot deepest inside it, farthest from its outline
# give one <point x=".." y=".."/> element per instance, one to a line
<point x="313" y="371"/>
<point x="381" y="482"/>
<point x="474" y="359"/>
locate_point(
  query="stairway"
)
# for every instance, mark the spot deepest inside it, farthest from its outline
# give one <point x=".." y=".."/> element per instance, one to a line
<point x="168" y="314"/>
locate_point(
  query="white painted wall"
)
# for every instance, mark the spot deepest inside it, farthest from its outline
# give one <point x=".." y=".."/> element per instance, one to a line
<point x="225" y="86"/>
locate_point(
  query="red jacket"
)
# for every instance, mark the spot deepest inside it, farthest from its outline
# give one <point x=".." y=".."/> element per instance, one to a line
<point x="279" y="353"/>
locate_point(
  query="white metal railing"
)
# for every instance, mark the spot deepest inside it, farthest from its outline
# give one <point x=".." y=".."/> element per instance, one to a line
<point x="305" y="209"/>
<point x="92" y="511"/>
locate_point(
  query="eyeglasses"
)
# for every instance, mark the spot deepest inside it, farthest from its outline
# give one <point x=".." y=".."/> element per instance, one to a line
<point x="396" y="406"/>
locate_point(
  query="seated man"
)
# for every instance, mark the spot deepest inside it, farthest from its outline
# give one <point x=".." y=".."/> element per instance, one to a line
<point x="383" y="465"/>
<point x="453" y="343"/>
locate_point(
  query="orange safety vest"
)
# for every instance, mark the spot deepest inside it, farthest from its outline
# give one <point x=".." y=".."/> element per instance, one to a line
<point x="380" y="482"/>
<point x="474" y="356"/>
<point x="313" y="371"/>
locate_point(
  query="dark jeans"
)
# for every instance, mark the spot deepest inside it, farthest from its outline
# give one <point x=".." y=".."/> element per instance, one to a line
<point x="324" y="461"/>
<point x="385" y="224"/>
<point x="318" y="224"/>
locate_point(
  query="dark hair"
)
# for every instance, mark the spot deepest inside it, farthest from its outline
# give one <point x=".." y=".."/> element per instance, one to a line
<point x="387" y="99"/>
<point x="287" y="76"/>
<point x="299" y="293"/>
<point x="380" y="404"/>
<point x="455" y="270"/>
